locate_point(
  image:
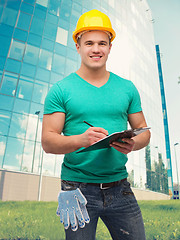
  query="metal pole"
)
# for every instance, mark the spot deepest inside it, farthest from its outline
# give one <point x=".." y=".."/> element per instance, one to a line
<point x="176" y="167"/>
<point x="37" y="113"/>
<point x="40" y="178"/>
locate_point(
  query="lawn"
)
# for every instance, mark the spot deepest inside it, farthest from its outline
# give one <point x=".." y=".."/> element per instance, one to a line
<point x="37" y="220"/>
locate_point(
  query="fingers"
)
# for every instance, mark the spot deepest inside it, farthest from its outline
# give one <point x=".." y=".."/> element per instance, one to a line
<point x="124" y="147"/>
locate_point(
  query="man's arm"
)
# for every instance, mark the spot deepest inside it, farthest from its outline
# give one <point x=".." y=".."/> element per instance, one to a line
<point x="136" y="120"/>
<point x="54" y="142"/>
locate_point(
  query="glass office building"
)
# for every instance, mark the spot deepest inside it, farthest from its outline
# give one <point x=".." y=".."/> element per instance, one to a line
<point x="37" y="50"/>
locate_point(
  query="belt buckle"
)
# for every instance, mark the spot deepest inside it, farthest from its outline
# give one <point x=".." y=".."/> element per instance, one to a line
<point x="103" y="188"/>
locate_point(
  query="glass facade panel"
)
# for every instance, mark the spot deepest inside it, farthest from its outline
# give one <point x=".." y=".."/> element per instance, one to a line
<point x="6" y="30"/>
<point x="28" y="70"/>
<point x="47" y="44"/>
<point x="21" y="106"/>
<point x="2" y="64"/>
<point x="34" y="39"/>
<point x="13" y="4"/>
<point x="39" y="92"/>
<point x="9" y="16"/>
<point x="13" y="153"/>
<point x="27" y="8"/>
<point x="26" y="164"/>
<point x="43" y="3"/>
<point x="5" y="42"/>
<point x="13" y="65"/>
<point x="50" y="31"/>
<point x="2" y="149"/>
<point x="37" y="26"/>
<point x="20" y="35"/>
<point x="6" y="102"/>
<point x="24" y="89"/>
<point x="43" y="74"/>
<point x="17" y="50"/>
<point x="4" y="122"/>
<point x="24" y="21"/>
<point x="62" y="36"/>
<point x="45" y="59"/>
<point x="54" y="6"/>
<point x="31" y="54"/>
<point x="18" y="125"/>
<point x="58" y="64"/>
<point x="9" y="84"/>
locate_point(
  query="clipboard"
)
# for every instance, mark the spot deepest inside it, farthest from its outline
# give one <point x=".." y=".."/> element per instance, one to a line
<point x="117" y="136"/>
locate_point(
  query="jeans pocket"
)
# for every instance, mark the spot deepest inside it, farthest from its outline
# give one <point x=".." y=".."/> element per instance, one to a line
<point x="126" y="189"/>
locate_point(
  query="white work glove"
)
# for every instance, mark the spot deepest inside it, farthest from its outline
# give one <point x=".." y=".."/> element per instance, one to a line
<point x="72" y="207"/>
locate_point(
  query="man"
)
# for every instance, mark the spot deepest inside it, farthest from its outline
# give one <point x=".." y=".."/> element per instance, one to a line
<point x="108" y="102"/>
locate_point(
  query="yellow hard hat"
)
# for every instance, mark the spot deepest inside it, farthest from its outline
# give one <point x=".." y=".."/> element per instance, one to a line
<point x="93" y="20"/>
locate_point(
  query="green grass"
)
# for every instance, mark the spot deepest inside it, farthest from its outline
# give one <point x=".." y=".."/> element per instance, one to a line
<point x="37" y="220"/>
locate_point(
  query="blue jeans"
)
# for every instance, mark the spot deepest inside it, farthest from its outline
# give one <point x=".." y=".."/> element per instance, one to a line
<point x="116" y="206"/>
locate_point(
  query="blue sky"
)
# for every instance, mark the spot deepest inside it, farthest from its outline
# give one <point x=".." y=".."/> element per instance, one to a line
<point x="166" y="15"/>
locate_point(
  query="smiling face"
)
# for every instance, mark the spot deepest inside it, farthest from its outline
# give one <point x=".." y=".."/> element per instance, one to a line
<point x="94" y="48"/>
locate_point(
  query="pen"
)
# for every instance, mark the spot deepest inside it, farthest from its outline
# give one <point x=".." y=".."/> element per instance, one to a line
<point x="88" y="124"/>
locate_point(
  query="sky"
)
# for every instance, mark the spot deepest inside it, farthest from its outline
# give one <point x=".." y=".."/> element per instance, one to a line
<point x="166" y="15"/>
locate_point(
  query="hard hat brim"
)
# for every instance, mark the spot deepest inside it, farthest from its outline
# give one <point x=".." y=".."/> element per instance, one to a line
<point x="110" y="30"/>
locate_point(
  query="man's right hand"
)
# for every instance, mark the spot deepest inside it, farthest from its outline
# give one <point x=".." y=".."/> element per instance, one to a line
<point x="92" y="135"/>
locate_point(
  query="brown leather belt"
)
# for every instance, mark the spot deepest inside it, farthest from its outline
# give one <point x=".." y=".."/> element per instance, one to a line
<point x="107" y="185"/>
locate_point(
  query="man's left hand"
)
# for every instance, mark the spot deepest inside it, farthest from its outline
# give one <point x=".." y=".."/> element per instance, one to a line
<point x="124" y="147"/>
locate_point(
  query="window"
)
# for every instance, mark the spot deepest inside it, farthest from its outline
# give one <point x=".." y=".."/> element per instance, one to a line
<point x="55" y="77"/>
<point x="58" y="65"/>
<point x="54" y="7"/>
<point x="45" y="59"/>
<point x="31" y="54"/>
<point x="6" y="30"/>
<point x="39" y="92"/>
<point x="24" y="21"/>
<point x="60" y="49"/>
<point x="6" y="102"/>
<point x="9" y="16"/>
<point x="47" y="44"/>
<point x="20" y="35"/>
<point x="4" y="122"/>
<point x="13" y="65"/>
<point x="62" y="36"/>
<point x="27" y="8"/>
<point x="43" y="74"/>
<point x="13" y="154"/>
<point x="50" y="31"/>
<point x="2" y="149"/>
<point x="2" y="63"/>
<point x="21" y="106"/>
<point x="34" y="39"/>
<point x="24" y="89"/>
<point x="37" y="26"/>
<point x="17" y="50"/>
<point x="42" y="2"/>
<point x="28" y="70"/>
<point x="27" y="156"/>
<point x="18" y="125"/>
<point x="71" y="66"/>
<point x="13" y="4"/>
<point x="9" y="84"/>
<point x="52" y="18"/>
<point x="5" y="42"/>
<point x="40" y="11"/>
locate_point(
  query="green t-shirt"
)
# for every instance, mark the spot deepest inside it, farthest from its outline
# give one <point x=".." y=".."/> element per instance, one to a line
<point x="107" y="107"/>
